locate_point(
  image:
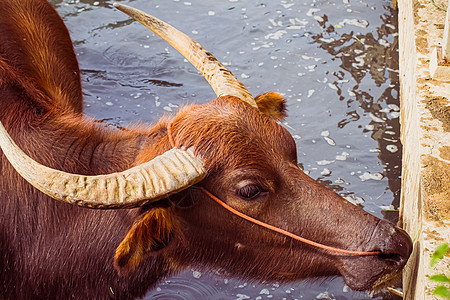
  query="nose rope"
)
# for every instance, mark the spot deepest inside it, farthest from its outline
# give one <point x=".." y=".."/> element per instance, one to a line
<point x="268" y="226"/>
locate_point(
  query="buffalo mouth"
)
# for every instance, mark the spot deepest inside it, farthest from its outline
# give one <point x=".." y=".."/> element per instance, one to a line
<point x="375" y="272"/>
<point x="371" y="273"/>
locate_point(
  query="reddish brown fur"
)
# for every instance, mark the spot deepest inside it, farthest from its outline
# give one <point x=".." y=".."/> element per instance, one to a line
<point x="272" y="104"/>
<point x="52" y="250"/>
<point x="38" y="47"/>
<point x="149" y="235"/>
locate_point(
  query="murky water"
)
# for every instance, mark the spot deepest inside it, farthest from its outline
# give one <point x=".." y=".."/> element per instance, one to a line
<point x="335" y="62"/>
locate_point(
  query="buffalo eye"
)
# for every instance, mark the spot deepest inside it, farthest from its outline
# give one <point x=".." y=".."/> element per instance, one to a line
<point x="249" y="192"/>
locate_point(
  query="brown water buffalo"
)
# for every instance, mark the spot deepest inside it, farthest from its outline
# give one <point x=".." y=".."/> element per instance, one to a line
<point x="148" y="213"/>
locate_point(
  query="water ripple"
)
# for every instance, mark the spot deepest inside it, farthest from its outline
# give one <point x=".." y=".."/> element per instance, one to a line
<point x="183" y="289"/>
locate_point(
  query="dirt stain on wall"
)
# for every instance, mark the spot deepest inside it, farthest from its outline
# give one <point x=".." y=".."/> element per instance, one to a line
<point x="444" y="152"/>
<point x="438" y="106"/>
<point x="436" y="187"/>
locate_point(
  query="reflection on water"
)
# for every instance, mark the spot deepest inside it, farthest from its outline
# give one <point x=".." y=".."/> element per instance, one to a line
<point x="335" y="62"/>
<point x="365" y="55"/>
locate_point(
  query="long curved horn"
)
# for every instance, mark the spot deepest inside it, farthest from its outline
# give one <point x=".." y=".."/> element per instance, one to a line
<point x="166" y="174"/>
<point x="220" y="78"/>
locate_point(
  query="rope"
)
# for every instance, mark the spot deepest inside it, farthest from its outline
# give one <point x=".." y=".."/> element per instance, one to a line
<point x="284" y="232"/>
<point x="271" y="227"/>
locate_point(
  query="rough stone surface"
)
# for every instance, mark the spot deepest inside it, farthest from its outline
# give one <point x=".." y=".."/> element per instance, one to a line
<point x="425" y="121"/>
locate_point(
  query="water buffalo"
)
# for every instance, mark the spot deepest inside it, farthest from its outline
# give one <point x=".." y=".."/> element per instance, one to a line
<point x="143" y="196"/>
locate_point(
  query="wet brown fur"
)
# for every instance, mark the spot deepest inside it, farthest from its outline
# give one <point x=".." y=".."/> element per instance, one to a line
<point x="52" y="250"/>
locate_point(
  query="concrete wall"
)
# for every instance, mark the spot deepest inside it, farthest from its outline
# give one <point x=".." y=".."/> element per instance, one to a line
<point x="425" y="135"/>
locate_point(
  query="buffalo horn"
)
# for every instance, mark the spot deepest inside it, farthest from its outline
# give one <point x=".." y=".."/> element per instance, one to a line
<point x="220" y="78"/>
<point x="158" y="178"/>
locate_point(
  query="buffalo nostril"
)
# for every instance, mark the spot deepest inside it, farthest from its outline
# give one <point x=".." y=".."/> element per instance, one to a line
<point x="394" y="243"/>
<point x="393" y="258"/>
<point x="397" y="249"/>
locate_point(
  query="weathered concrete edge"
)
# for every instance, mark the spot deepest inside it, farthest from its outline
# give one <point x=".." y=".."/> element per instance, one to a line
<point x="409" y="199"/>
<point x="423" y="135"/>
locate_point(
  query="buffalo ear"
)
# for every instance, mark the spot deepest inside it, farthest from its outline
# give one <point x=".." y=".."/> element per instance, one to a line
<point x="272" y="104"/>
<point x="151" y="233"/>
